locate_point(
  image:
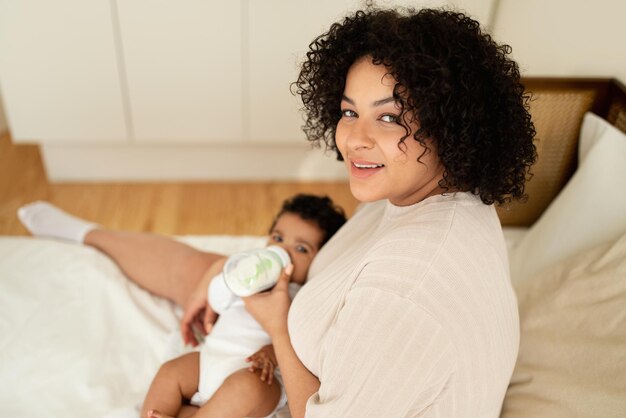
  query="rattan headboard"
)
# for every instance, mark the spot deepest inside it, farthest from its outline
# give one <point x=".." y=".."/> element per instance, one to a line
<point x="557" y="109"/>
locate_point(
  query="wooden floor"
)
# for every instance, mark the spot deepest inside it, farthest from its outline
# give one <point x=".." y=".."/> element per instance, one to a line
<point x="167" y="208"/>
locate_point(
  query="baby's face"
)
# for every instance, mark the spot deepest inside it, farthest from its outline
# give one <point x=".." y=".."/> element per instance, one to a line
<point x="300" y="238"/>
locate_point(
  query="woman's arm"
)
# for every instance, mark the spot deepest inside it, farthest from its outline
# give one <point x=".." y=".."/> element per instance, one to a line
<point x="270" y="309"/>
<point x="299" y="382"/>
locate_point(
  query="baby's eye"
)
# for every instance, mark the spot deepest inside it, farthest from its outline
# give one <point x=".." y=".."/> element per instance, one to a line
<point x="302" y="249"/>
<point x="389" y="118"/>
<point x="276" y="238"/>
<point x="347" y="113"/>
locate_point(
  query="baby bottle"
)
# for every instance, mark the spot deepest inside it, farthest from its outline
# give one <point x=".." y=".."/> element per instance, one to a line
<point x="254" y="271"/>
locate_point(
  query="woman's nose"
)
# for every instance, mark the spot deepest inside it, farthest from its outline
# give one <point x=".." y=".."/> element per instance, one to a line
<point x="359" y="136"/>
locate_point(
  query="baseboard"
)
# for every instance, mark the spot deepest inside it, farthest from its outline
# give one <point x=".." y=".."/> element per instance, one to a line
<point x="4" y="127"/>
<point x="241" y="162"/>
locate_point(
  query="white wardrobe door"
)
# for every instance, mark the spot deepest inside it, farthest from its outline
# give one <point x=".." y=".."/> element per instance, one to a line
<point x="59" y="71"/>
<point x="183" y="65"/>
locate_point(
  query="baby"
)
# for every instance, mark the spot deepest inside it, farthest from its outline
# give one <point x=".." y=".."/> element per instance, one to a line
<point x="217" y="381"/>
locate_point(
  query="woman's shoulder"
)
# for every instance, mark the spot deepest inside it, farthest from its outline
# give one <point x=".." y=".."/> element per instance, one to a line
<point x="435" y="215"/>
<point x="442" y="236"/>
<point x="445" y="202"/>
<point x="430" y="209"/>
<point x="414" y="235"/>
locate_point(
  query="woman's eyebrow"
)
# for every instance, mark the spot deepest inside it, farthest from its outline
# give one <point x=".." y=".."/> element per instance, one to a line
<point x="384" y="101"/>
<point x="374" y="104"/>
<point x="345" y="98"/>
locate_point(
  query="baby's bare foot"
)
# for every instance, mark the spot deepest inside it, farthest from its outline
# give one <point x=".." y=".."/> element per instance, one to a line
<point x="153" y="413"/>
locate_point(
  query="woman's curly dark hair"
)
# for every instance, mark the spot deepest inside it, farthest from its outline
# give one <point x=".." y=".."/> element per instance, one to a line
<point x="455" y="80"/>
<point x="318" y="209"/>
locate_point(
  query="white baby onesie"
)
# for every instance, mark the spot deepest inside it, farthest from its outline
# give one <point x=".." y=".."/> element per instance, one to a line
<point x="235" y="336"/>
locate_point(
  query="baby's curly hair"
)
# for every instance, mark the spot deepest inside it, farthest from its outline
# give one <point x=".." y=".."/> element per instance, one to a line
<point x="320" y="210"/>
<point x="455" y="80"/>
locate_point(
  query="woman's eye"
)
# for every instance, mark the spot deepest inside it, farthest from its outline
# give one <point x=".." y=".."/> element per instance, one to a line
<point x="302" y="249"/>
<point x="347" y="113"/>
<point x="389" y="118"/>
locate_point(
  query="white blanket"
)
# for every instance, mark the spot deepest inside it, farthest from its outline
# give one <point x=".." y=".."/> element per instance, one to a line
<point x="77" y="338"/>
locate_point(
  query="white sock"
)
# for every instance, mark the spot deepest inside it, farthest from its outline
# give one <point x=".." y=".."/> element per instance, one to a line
<point x="43" y="219"/>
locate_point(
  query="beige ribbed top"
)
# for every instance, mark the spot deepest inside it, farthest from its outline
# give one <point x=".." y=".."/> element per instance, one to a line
<point x="409" y="311"/>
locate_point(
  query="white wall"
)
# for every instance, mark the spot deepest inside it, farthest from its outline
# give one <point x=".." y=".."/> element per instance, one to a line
<point x="564" y="37"/>
<point x="549" y="37"/>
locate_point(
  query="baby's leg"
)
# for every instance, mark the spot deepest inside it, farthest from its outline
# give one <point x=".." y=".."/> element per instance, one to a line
<point x="243" y="394"/>
<point x="175" y="381"/>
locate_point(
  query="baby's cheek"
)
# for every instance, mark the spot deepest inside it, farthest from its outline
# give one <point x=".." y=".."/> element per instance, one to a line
<point x="299" y="275"/>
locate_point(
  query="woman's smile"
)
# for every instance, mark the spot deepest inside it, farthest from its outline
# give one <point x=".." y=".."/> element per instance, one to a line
<point x="363" y="169"/>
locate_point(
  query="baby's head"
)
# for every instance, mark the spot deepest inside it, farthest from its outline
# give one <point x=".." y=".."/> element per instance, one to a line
<point x="303" y="224"/>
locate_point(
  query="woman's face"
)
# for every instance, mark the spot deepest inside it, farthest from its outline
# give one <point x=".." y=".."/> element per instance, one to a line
<point x="367" y="137"/>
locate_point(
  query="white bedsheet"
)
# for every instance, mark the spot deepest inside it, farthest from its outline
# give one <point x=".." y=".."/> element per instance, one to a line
<point x="77" y="338"/>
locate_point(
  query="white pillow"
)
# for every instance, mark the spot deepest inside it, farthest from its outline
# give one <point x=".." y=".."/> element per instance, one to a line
<point x="590" y="210"/>
<point x="592" y="129"/>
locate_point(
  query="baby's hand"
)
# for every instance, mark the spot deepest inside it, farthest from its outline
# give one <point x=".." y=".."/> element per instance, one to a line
<point x="264" y="360"/>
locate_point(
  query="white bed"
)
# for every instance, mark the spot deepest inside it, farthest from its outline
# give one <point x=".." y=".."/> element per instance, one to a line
<point x="78" y="339"/>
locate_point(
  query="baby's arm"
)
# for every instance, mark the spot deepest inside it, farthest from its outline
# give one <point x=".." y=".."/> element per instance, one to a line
<point x="198" y="314"/>
<point x="265" y="362"/>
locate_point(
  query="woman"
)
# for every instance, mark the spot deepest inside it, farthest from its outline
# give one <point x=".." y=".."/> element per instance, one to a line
<point x="409" y="309"/>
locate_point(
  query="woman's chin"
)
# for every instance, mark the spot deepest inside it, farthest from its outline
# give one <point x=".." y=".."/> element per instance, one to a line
<point x="363" y="195"/>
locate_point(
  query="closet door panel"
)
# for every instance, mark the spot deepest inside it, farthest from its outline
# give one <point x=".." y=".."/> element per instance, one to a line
<point x="279" y="34"/>
<point x="183" y="64"/>
<point x="59" y="71"/>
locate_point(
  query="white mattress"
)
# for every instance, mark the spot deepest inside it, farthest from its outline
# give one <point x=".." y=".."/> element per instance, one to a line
<point x="76" y="337"/>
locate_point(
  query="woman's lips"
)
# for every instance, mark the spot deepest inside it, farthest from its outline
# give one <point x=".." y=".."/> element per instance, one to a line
<point x="362" y="169"/>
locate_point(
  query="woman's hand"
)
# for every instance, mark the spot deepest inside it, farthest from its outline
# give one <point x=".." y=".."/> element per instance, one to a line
<point x="265" y="361"/>
<point x="270" y="308"/>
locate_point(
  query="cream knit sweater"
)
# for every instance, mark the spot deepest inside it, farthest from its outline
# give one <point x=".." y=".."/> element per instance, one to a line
<point x="409" y="312"/>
